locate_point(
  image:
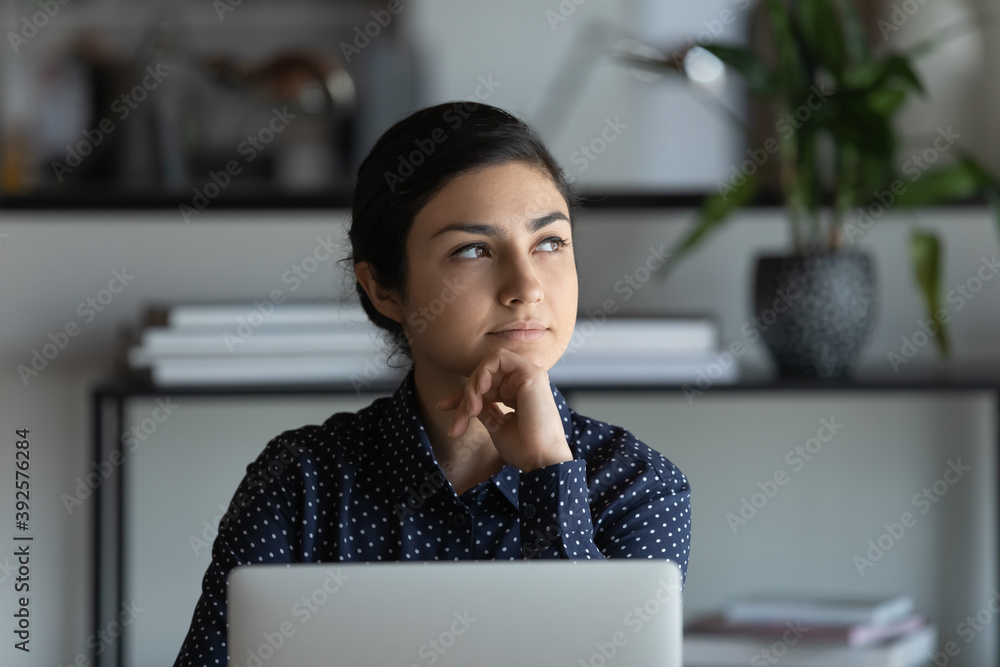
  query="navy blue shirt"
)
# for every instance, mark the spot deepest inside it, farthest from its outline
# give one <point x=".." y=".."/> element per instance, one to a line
<point x="366" y="486"/>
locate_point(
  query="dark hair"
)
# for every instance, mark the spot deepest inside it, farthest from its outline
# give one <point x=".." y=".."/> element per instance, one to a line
<point x="410" y="163"/>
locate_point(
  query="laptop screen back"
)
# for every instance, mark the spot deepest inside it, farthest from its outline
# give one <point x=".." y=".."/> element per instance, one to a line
<point x="588" y="613"/>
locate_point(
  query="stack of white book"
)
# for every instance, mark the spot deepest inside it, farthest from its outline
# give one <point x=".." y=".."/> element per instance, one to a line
<point x="676" y="349"/>
<point x="262" y="342"/>
<point x="265" y="343"/>
<point x="819" y="632"/>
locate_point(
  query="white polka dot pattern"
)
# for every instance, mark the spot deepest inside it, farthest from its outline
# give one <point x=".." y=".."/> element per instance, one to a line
<point x="366" y="486"/>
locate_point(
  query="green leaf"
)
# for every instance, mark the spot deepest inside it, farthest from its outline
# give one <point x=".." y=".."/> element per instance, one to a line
<point x="823" y="32"/>
<point x="990" y="185"/>
<point x="874" y="172"/>
<point x="858" y="124"/>
<point x="886" y="102"/>
<point x="758" y="76"/>
<point x="714" y="211"/>
<point x="861" y="76"/>
<point x="957" y="181"/>
<point x="985" y="177"/>
<point x="792" y="71"/>
<point x="925" y="254"/>
<point x="894" y="73"/>
<point x="898" y="68"/>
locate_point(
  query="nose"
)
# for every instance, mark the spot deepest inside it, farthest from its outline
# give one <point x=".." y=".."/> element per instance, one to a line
<point x="520" y="282"/>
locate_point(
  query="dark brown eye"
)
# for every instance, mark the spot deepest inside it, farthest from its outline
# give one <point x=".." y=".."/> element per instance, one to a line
<point x="561" y="243"/>
<point x="468" y="247"/>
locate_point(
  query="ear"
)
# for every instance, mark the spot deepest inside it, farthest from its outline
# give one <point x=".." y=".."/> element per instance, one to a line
<point x="384" y="300"/>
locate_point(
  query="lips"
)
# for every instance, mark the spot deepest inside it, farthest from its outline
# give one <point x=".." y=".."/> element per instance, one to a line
<point x="521" y="334"/>
<point x="530" y="325"/>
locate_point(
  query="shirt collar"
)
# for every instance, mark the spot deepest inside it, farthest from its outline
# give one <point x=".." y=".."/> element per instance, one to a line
<point x="411" y="459"/>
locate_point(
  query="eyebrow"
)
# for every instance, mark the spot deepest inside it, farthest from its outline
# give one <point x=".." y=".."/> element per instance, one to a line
<point x="500" y="232"/>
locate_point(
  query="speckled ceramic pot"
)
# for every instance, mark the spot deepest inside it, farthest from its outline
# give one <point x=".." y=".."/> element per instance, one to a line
<point x="815" y="311"/>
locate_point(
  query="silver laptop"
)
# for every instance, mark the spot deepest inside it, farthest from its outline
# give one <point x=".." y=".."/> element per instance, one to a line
<point x="577" y="613"/>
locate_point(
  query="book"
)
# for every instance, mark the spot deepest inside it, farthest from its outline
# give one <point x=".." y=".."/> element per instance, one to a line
<point x="817" y="610"/>
<point x="265" y="311"/>
<point x="310" y="368"/>
<point x="164" y="341"/>
<point x="638" y="335"/>
<point x="643" y="369"/>
<point x="856" y="634"/>
<point x="706" y="650"/>
<point x="359" y="370"/>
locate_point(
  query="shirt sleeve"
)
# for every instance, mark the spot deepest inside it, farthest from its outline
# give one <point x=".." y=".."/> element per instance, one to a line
<point x="258" y="527"/>
<point x="638" y="505"/>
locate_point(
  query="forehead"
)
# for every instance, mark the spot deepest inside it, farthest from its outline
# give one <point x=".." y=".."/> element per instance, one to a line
<point x="507" y="194"/>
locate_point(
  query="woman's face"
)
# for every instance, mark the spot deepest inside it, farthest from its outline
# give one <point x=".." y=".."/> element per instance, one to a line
<point x="485" y="253"/>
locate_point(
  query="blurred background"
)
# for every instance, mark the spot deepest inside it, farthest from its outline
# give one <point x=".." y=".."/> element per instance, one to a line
<point x="83" y="119"/>
<point x="346" y="77"/>
<point x="208" y="148"/>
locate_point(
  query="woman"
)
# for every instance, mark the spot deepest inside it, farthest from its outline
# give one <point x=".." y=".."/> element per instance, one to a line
<point x="462" y="247"/>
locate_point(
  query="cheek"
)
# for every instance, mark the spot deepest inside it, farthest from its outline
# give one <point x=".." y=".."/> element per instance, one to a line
<point x="453" y="301"/>
<point x="426" y="290"/>
<point x="569" y="303"/>
<point x="565" y="285"/>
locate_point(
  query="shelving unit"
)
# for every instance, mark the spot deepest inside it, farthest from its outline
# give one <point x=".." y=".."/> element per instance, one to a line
<point x="110" y="398"/>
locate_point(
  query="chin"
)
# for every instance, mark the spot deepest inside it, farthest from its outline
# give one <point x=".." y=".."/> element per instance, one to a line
<point x="536" y="354"/>
<point x="539" y="358"/>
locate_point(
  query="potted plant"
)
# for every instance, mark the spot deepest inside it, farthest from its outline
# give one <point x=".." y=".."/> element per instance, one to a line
<point x="830" y="100"/>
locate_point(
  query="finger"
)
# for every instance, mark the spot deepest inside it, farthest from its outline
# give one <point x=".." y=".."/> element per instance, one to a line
<point x="453" y="429"/>
<point x="485" y="387"/>
<point x="461" y="423"/>
<point x="492" y="417"/>
<point x="450" y="402"/>
<point x="472" y="404"/>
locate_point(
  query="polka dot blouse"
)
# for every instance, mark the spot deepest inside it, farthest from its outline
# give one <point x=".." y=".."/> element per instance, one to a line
<point x="366" y="486"/>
